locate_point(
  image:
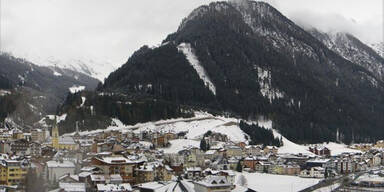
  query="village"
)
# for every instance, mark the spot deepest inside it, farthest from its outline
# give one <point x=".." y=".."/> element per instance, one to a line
<point x="145" y="160"/>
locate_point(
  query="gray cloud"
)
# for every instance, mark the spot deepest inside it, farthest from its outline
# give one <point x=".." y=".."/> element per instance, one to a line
<point x="113" y="30"/>
<point x="364" y="19"/>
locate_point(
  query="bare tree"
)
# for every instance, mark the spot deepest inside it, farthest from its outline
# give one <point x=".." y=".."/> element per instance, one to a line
<point x="242" y="181"/>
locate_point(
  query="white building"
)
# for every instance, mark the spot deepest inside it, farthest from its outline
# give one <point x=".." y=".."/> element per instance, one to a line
<point x="56" y="169"/>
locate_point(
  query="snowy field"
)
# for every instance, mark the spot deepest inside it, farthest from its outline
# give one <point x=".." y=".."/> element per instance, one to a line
<point x="337" y="149"/>
<point x="197" y="126"/>
<point x="180" y="144"/>
<point x="262" y="182"/>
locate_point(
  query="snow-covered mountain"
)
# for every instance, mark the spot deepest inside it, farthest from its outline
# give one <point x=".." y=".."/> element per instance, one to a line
<point x="352" y="49"/>
<point x="379" y="48"/>
<point x="98" y="68"/>
<point x="35" y="90"/>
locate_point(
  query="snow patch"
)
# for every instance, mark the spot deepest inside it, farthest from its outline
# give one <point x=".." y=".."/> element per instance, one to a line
<point x="59" y="119"/>
<point x="265" y="81"/>
<point x="57" y="74"/>
<point x="83" y="99"/>
<point x="75" y="89"/>
<point x="193" y="60"/>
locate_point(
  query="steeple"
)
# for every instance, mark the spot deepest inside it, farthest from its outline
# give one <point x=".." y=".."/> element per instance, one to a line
<point x="77" y="127"/>
<point x="55" y="134"/>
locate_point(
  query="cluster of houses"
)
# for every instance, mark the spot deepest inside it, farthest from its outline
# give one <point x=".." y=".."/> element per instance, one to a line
<point x="127" y="160"/>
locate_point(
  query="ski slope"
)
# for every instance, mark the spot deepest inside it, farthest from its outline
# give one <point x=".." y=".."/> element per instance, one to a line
<point x="197" y="126"/>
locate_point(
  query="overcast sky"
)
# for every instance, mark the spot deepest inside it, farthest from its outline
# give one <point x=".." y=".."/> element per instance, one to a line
<point x="113" y="29"/>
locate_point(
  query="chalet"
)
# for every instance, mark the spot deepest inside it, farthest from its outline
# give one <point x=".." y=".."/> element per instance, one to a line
<point x="270" y="149"/>
<point x="262" y="166"/>
<point x="213" y="183"/>
<point x="159" y="140"/>
<point x="116" y="165"/>
<point x="211" y="154"/>
<point x="149" y="172"/>
<point x="320" y="150"/>
<point x="250" y="162"/>
<point x="314" y="172"/>
<point x="194" y="172"/>
<point x="253" y="150"/>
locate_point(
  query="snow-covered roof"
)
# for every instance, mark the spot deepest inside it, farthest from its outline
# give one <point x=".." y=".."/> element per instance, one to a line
<point x="210" y="152"/>
<point x="115" y="160"/>
<point x="74" y="177"/>
<point x="214" y="181"/>
<point x="58" y="164"/>
<point x="114" y="187"/>
<point x="66" y="140"/>
<point x="318" y="161"/>
<point x="193" y="169"/>
<point x="97" y="178"/>
<point x="115" y="177"/>
<point x="87" y="169"/>
<point x="85" y="174"/>
<point x="171" y="186"/>
<point x="73" y="187"/>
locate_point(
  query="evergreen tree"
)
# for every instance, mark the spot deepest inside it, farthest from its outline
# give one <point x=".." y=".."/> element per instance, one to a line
<point x="239" y="167"/>
<point x="204" y="146"/>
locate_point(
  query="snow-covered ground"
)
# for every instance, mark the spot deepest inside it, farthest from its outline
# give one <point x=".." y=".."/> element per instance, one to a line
<point x="203" y="122"/>
<point x="180" y="144"/>
<point x="337" y="149"/>
<point x="197" y="128"/>
<point x="328" y="188"/>
<point x="263" y="182"/>
<point x="288" y="146"/>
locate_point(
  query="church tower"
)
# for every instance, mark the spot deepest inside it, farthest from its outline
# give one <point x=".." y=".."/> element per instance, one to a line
<point x="55" y="135"/>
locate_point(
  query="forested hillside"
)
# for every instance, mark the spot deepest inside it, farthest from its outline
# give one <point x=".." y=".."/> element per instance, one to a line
<point x="249" y="60"/>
